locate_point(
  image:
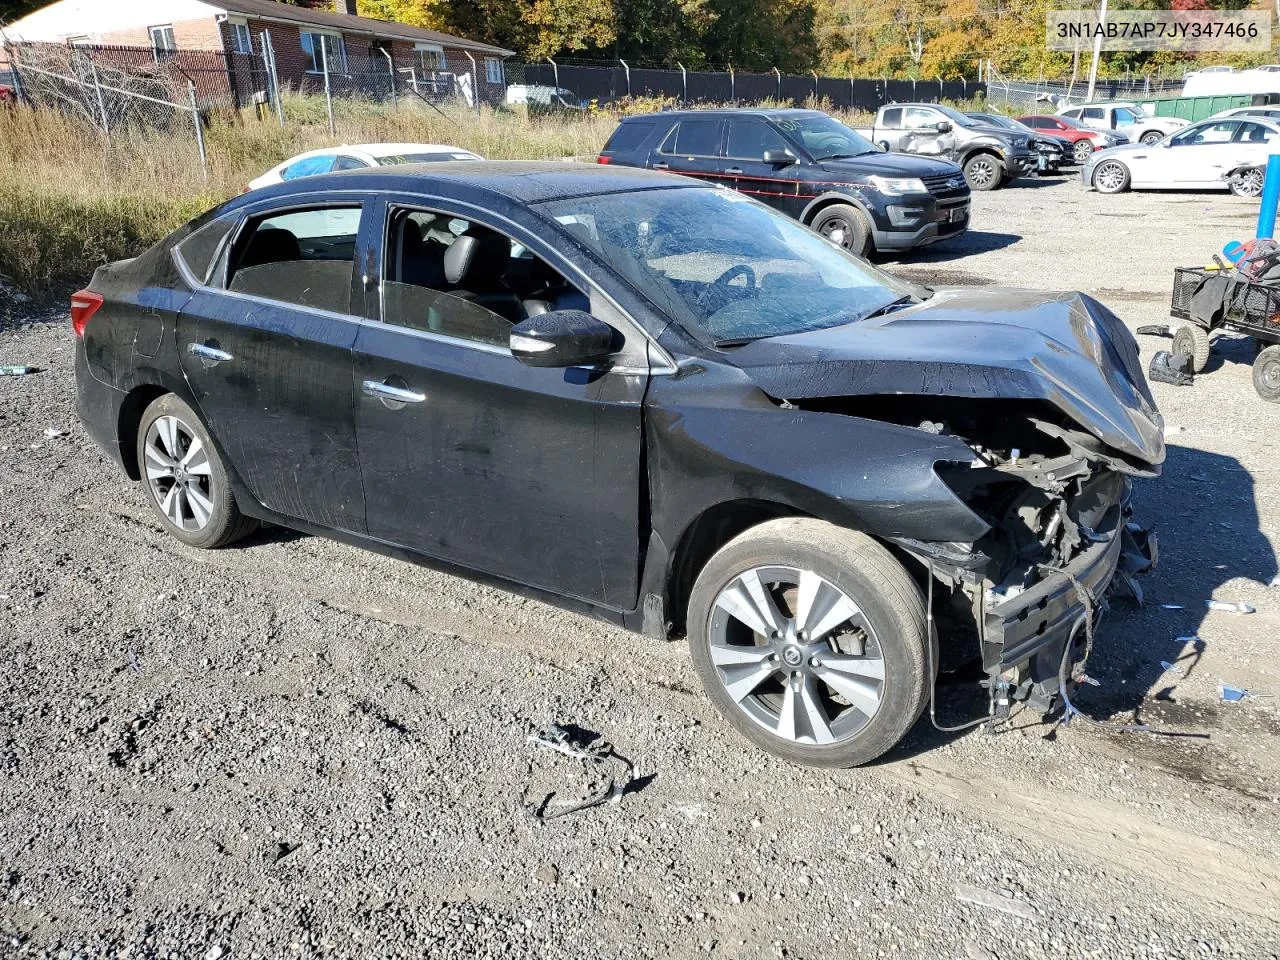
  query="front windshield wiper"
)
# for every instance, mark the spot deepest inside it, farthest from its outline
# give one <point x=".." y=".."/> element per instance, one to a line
<point x="848" y="156"/>
<point x="892" y="305"/>
<point x="736" y="342"/>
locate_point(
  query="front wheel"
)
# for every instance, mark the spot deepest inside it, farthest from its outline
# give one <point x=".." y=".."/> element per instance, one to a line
<point x="1112" y="176"/>
<point x="983" y="172"/>
<point x="1266" y="374"/>
<point x="1248" y="183"/>
<point x="1192" y="341"/>
<point x="1083" y="150"/>
<point x="810" y="640"/>
<point x="1151" y="137"/>
<point x="186" y="483"/>
<point x="846" y="226"/>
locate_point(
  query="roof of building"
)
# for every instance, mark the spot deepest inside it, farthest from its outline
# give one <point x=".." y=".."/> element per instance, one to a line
<point x="345" y="22"/>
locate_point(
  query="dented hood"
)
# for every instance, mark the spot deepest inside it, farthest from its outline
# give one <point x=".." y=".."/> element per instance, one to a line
<point x="1065" y="348"/>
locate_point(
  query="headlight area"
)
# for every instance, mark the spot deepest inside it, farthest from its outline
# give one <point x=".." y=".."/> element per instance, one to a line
<point x="1026" y="597"/>
<point x="898" y="186"/>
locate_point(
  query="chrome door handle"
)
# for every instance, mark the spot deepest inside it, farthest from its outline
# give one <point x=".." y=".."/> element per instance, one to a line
<point x="661" y="166"/>
<point x="734" y="170"/>
<point x="206" y="352"/>
<point x="384" y="391"/>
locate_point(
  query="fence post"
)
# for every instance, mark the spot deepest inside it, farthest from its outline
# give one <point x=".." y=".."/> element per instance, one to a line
<point x="102" y="103"/>
<point x="475" y="80"/>
<point x="684" y="83"/>
<point x="195" y="116"/>
<point x="815" y="85"/>
<point x="777" y="95"/>
<point x="555" y="72"/>
<point x="328" y="92"/>
<point x="12" y="52"/>
<point x="627" y="70"/>
<point x="391" y="65"/>
<point x="733" y="87"/>
<point x="273" y="74"/>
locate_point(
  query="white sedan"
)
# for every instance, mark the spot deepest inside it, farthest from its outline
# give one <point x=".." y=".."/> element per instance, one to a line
<point x="1214" y="154"/>
<point x="358" y="157"/>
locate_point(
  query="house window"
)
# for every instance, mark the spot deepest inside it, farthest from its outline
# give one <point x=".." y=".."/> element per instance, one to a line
<point x="493" y="70"/>
<point x="162" y="42"/>
<point x="430" y="58"/>
<point x="333" y="46"/>
<point x="241" y="39"/>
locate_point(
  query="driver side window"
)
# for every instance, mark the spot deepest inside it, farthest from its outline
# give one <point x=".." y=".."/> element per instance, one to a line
<point x="447" y="275"/>
<point x="1206" y="134"/>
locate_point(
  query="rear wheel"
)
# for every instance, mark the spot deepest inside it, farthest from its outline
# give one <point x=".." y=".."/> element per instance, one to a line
<point x="1192" y="341"/>
<point x="186" y="483"/>
<point x="1151" y="136"/>
<point x="1248" y="183"/>
<point x="1112" y="176"/>
<point x="846" y="226"/>
<point x="1266" y="374"/>
<point x="1083" y="150"/>
<point x="810" y="640"/>
<point x="982" y="172"/>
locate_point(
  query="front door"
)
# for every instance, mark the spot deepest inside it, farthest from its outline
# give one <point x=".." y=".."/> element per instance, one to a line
<point x="268" y="359"/>
<point x="1195" y="156"/>
<point x="468" y="455"/>
<point x="693" y="149"/>
<point x="778" y="185"/>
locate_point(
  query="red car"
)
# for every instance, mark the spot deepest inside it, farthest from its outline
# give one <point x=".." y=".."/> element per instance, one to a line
<point x="1083" y="139"/>
<point x="8" y="95"/>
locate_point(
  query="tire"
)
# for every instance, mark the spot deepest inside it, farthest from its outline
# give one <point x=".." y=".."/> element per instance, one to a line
<point x="1150" y="137"/>
<point x="1266" y="374"/>
<point x="982" y="172"/>
<point x="203" y="511"/>
<point x="1248" y="183"/>
<point x="881" y="685"/>
<point x="883" y="145"/>
<point x="1192" y="341"/>
<point x="1112" y="176"/>
<point x="1083" y="150"/>
<point x="846" y="226"/>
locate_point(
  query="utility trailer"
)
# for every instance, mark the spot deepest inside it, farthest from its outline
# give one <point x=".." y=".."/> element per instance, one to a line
<point x="1236" y="304"/>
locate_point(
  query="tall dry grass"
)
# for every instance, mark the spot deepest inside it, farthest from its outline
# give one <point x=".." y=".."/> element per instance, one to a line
<point x="71" y="200"/>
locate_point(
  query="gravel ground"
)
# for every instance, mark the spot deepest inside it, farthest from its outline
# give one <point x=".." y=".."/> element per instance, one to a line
<point x="293" y="748"/>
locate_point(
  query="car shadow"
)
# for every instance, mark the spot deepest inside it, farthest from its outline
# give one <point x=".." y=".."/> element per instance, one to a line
<point x="967" y="244"/>
<point x="1200" y="552"/>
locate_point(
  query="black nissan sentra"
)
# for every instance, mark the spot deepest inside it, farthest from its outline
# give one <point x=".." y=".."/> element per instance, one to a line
<point x="651" y="400"/>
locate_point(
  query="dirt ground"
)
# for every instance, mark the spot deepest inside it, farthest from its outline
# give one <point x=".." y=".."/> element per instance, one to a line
<point x="294" y="748"/>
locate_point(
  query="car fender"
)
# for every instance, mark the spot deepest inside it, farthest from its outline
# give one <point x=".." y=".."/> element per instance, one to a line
<point x="853" y="197"/>
<point x="983" y="145"/>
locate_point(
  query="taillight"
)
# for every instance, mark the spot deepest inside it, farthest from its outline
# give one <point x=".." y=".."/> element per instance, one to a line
<point x="604" y="159"/>
<point x="83" y="306"/>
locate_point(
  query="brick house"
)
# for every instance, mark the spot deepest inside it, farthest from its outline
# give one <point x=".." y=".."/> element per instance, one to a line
<point x="302" y="38"/>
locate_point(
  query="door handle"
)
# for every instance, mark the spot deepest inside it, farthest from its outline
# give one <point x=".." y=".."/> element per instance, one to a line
<point x="734" y="170"/>
<point x="206" y="352"/>
<point x="661" y="166"/>
<point x="385" y="391"/>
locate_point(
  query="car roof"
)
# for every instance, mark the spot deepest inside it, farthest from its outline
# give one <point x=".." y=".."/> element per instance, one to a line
<point x="729" y="111"/>
<point x="521" y="181"/>
<point x="380" y="150"/>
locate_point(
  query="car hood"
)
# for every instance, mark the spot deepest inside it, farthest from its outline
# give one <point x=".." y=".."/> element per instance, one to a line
<point x="890" y="165"/>
<point x="1064" y="348"/>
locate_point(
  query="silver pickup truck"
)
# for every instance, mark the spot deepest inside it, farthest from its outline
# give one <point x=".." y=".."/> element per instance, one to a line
<point x="990" y="156"/>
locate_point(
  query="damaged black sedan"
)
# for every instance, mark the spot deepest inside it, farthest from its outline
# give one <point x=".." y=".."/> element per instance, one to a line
<point x="653" y="401"/>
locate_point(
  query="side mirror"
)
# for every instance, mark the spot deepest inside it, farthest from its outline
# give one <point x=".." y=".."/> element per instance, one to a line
<point x="779" y="158"/>
<point x="561" y="338"/>
<point x="943" y="126"/>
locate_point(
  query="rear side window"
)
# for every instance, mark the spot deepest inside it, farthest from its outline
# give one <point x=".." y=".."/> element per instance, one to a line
<point x="892" y="118"/>
<point x="629" y="136"/>
<point x="199" y="250"/>
<point x="309" y="167"/>
<point x="1092" y="113"/>
<point x="694" y="138"/>
<point x="303" y="257"/>
<point x="349" y="163"/>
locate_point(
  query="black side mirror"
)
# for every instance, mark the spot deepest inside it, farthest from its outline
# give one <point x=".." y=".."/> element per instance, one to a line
<point x="779" y="158"/>
<point x="943" y="126"/>
<point x="561" y="338"/>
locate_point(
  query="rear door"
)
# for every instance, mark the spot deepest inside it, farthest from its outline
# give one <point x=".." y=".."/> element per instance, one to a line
<point x="472" y="457"/>
<point x="779" y="185"/>
<point x="888" y="129"/>
<point x="692" y="148"/>
<point x="266" y="350"/>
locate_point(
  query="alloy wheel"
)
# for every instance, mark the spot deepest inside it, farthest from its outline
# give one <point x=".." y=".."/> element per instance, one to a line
<point x="838" y="232"/>
<point x="796" y="655"/>
<point x="1083" y="150"/>
<point x="1109" y="177"/>
<point x="981" y="173"/>
<point x="1150" y="138"/>
<point x="1249" y="183"/>
<point x="179" y="474"/>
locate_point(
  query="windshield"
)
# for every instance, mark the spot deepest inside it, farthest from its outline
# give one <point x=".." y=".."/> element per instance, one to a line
<point x="727" y="268"/>
<point x="955" y="116"/>
<point x="824" y="137"/>
<point x="1071" y="122"/>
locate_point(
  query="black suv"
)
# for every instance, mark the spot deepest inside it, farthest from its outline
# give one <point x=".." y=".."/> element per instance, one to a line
<point x="808" y="165"/>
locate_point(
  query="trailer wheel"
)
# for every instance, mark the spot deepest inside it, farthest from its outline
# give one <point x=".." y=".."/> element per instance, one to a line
<point x="1192" y="341"/>
<point x="1266" y="374"/>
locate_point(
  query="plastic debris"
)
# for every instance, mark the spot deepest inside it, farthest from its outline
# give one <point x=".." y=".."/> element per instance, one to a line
<point x="1155" y="330"/>
<point x="17" y="371"/>
<point x="1172" y="368"/>
<point x="53" y="433"/>
<point x="1166" y="665"/>
<point x="1223" y="606"/>
<point x="995" y="901"/>
<point x="558" y="739"/>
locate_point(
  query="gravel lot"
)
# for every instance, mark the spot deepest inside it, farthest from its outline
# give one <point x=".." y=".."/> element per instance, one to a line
<point x="293" y="748"/>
